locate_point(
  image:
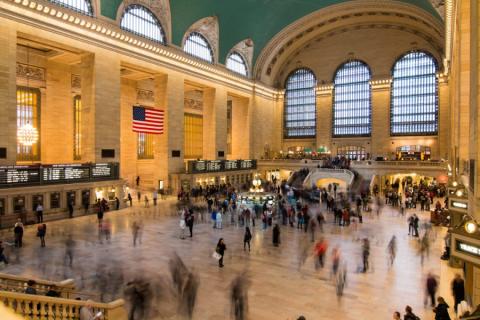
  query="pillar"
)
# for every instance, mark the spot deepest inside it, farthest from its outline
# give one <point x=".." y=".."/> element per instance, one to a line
<point x="381" y="122"/>
<point x="214" y="122"/>
<point x="8" y="96"/>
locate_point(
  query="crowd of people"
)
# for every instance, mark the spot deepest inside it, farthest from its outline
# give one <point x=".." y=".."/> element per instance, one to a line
<point x="222" y="207"/>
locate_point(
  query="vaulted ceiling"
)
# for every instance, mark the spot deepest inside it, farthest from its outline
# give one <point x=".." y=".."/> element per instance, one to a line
<point x="259" y="20"/>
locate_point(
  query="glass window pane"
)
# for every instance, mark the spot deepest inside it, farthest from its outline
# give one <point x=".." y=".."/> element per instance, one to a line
<point x="236" y="63"/>
<point x="414" y="98"/>
<point x="300" y="105"/>
<point x="82" y="6"/>
<point x="141" y="21"/>
<point x="198" y="46"/>
<point x="352" y="105"/>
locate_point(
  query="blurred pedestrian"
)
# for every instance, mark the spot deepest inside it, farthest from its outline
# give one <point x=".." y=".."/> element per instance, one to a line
<point x="220" y="249"/>
<point x="365" y="254"/>
<point x="3" y="258"/>
<point x="431" y="287"/>
<point x="41" y="232"/>
<point x="39" y="212"/>
<point x="247" y="238"/>
<point x="276" y="235"/>
<point x="458" y="291"/>
<point x="18" y="233"/>
<point x="441" y="310"/>
<point x="409" y="315"/>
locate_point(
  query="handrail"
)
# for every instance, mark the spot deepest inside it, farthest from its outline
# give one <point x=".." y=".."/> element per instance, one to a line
<point x="18" y="283"/>
<point x="326" y="170"/>
<point x="45" y="308"/>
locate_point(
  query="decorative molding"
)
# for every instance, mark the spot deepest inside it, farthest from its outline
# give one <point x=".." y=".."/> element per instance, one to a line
<point x="76" y="81"/>
<point x="193" y="104"/>
<point x="340" y="16"/>
<point x="51" y="18"/>
<point x="30" y="72"/>
<point x="207" y="27"/>
<point x="145" y="95"/>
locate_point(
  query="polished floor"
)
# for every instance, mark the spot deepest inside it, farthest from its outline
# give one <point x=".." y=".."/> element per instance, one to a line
<point x="280" y="287"/>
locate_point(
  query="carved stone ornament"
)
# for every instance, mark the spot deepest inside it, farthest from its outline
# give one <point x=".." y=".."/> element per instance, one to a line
<point x="208" y="27"/>
<point x="193" y="104"/>
<point x="76" y="81"/>
<point x="145" y="95"/>
<point x="30" y="72"/>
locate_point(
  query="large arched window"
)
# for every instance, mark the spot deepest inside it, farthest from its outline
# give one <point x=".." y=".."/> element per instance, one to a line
<point x="236" y="63"/>
<point x="414" y="98"/>
<point x="82" y="6"/>
<point x="198" y="46"/>
<point x="300" y="105"/>
<point x="141" y="21"/>
<point x="352" y="103"/>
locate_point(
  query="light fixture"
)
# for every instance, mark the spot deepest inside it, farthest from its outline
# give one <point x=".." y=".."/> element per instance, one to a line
<point x="454" y="183"/>
<point x="459" y="193"/>
<point x="27" y="135"/>
<point x="471" y="227"/>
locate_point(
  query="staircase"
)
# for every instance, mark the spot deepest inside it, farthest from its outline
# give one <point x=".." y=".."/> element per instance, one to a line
<point x="41" y="307"/>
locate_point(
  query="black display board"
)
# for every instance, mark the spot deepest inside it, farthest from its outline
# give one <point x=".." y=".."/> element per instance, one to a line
<point x="14" y="176"/>
<point x="206" y="166"/>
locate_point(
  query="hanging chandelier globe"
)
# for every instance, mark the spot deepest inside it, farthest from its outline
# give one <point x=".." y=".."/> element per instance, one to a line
<point x="27" y="135"/>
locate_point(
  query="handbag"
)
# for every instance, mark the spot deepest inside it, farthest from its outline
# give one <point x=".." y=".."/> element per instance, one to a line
<point x="216" y="255"/>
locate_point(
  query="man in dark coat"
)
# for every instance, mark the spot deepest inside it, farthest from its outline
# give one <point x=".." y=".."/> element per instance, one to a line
<point x="458" y="290"/>
<point x="441" y="311"/>
<point x="276" y="235"/>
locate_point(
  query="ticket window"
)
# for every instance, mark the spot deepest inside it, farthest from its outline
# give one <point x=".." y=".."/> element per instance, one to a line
<point x="71" y="197"/>
<point x="36" y="200"/>
<point x="18" y="204"/>
<point x="2" y="207"/>
<point x="85" y="197"/>
<point x="55" y="200"/>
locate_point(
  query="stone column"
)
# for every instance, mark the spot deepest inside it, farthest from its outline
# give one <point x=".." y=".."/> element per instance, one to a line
<point x="381" y="145"/>
<point x="57" y="140"/>
<point x="8" y="96"/>
<point x="240" y="129"/>
<point x="101" y="105"/>
<point x="214" y="122"/>
<point x="169" y="94"/>
<point x="324" y="120"/>
<point x="128" y="156"/>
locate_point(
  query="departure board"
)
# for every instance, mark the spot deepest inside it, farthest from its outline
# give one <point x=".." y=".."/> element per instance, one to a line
<point x="19" y="175"/>
<point x="12" y="176"/>
<point x="65" y="173"/>
<point x="205" y="166"/>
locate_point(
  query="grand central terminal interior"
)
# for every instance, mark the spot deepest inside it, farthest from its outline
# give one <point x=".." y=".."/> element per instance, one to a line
<point x="205" y="159"/>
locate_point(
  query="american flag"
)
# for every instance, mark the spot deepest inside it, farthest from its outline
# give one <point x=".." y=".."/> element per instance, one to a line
<point x="147" y="120"/>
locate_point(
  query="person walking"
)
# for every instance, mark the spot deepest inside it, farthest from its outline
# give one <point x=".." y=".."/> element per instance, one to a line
<point x="441" y="310"/>
<point x="155" y="197"/>
<point x="320" y="250"/>
<point x="190" y="219"/>
<point x="392" y="250"/>
<point x="247" y="238"/>
<point x="70" y="208"/>
<point x="41" y="232"/>
<point x="117" y="203"/>
<point x="220" y="249"/>
<point x="431" y="289"/>
<point x="3" y="258"/>
<point x="18" y="233"/>
<point x="396" y="316"/>
<point x="218" y="220"/>
<point x="276" y="235"/>
<point x="409" y="315"/>
<point x="458" y="291"/>
<point x="147" y="205"/>
<point x="39" y="211"/>
<point x="130" y="199"/>
<point x="365" y="254"/>
<point x="136" y="232"/>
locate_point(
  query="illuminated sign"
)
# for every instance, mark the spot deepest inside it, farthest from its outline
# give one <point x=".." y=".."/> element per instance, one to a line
<point x="467" y="248"/>
<point x="14" y="176"/>
<point x="460" y="205"/>
<point x="205" y="166"/>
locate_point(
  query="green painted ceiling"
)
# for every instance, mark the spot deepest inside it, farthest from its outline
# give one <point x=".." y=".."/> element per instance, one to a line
<point x="259" y="20"/>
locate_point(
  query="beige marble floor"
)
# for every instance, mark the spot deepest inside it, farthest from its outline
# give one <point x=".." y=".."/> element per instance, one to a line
<point x="279" y="290"/>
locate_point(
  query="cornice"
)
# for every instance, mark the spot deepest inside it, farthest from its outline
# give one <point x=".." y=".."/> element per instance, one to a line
<point x="62" y="21"/>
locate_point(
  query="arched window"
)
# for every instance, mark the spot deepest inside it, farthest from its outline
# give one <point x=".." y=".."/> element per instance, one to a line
<point x="414" y="98"/>
<point x="141" y="21"/>
<point x="82" y="6"/>
<point x="352" y="103"/>
<point x="236" y="63"/>
<point x="198" y="46"/>
<point x="300" y="105"/>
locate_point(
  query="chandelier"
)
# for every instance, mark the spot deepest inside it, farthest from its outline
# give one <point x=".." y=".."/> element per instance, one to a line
<point x="27" y="135"/>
